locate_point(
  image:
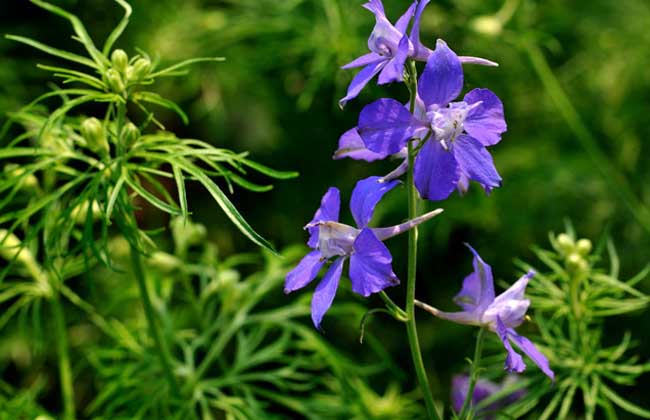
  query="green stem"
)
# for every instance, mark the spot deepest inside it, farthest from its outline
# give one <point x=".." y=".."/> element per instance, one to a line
<point x="476" y="364"/>
<point x="65" y="372"/>
<point x="394" y="309"/>
<point x="411" y="327"/>
<point x="160" y="343"/>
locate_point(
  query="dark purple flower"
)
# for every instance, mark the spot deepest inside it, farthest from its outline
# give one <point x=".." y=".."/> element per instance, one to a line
<point x="456" y="133"/>
<point x="370" y="261"/>
<point x="390" y="46"/>
<point x="482" y="390"/>
<point x="500" y="314"/>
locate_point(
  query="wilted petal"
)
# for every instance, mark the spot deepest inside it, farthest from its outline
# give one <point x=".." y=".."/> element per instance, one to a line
<point x="328" y="211"/>
<point x="436" y="172"/>
<point x="364" y="60"/>
<point x="478" y="287"/>
<point x="325" y="292"/>
<point x="351" y="145"/>
<point x="485" y="122"/>
<point x="370" y="265"/>
<point x="463" y="183"/>
<point x="514" y="361"/>
<point x="394" y="69"/>
<point x="306" y="271"/>
<point x="442" y="78"/>
<point x="420" y="51"/>
<point x="365" y="196"/>
<point x="531" y="351"/>
<point x="403" y="22"/>
<point x="361" y="79"/>
<point x="475" y="160"/>
<point x="385" y="126"/>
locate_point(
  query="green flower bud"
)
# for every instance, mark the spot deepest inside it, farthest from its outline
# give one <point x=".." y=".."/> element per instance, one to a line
<point x="583" y="246"/>
<point x="164" y="262"/>
<point x="93" y="132"/>
<point x="80" y="213"/>
<point x="10" y="248"/>
<point x="487" y="25"/>
<point x="565" y="244"/>
<point x="114" y="81"/>
<point x="187" y="233"/>
<point x="120" y="60"/>
<point x="131" y="134"/>
<point x="575" y="262"/>
<point x="27" y="182"/>
<point x="140" y="69"/>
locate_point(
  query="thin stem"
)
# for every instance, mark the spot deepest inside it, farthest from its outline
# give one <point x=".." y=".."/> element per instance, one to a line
<point x="65" y="371"/>
<point x="160" y="343"/>
<point x="394" y="309"/>
<point x="411" y="327"/>
<point x="473" y="378"/>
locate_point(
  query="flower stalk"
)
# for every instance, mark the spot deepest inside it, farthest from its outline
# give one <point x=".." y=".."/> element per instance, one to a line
<point x="63" y="355"/>
<point x="473" y="377"/>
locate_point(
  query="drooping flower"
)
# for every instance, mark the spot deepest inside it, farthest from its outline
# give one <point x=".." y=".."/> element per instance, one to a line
<point x="370" y="268"/>
<point x="482" y="390"/>
<point x="390" y="46"/>
<point x="500" y="314"/>
<point x="457" y="133"/>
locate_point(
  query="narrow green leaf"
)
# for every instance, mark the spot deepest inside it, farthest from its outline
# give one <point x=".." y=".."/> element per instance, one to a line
<point x="180" y="187"/>
<point x="156" y="99"/>
<point x="226" y="205"/>
<point x="113" y="197"/>
<point x="78" y="75"/>
<point x="268" y="171"/>
<point x="152" y="199"/>
<point x="53" y="51"/>
<point x="171" y="69"/>
<point x="623" y="403"/>
<point x="119" y="29"/>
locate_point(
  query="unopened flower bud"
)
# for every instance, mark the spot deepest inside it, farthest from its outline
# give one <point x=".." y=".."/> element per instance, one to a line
<point x="583" y="246"/>
<point x="575" y="262"/>
<point x="11" y="247"/>
<point x="120" y="60"/>
<point x="140" y="69"/>
<point x="93" y="132"/>
<point x="565" y="243"/>
<point x="27" y="182"/>
<point x="164" y="262"/>
<point x="80" y="213"/>
<point x="114" y="81"/>
<point x="131" y="134"/>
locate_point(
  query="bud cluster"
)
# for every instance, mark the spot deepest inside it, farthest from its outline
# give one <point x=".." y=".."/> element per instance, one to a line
<point x="122" y="74"/>
<point x="574" y="252"/>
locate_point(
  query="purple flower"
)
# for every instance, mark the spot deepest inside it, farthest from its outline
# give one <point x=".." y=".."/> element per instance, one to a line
<point x="501" y="314"/>
<point x="370" y="261"/>
<point x="482" y="390"/>
<point x="390" y="46"/>
<point x="456" y="134"/>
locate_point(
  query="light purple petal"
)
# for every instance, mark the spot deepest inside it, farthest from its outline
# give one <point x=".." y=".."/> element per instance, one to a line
<point x="328" y="211"/>
<point x="463" y="183"/>
<point x="306" y="271"/>
<point x="477" y="60"/>
<point x="485" y="122"/>
<point x="351" y="146"/>
<point x="478" y="287"/>
<point x="403" y="22"/>
<point x="475" y="161"/>
<point x="375" y="6"/>
<point x="370" y="265"/>
<point x="360" y="80"/>
<point x="420" y="52"/>
<point x="365" y="196"/>
<point x="442" y="78"/>
<point x="436" y="172"/>
<point x="531" y="351"/>
<point x="364" y="60"/>
<point x="394" y="70"/>
<point x="397" y="172"/>
<point x="517" y="290"/>
<point x="325" y="292"/>
<point x="514" y="361"/>
<point x="388" y="232"/>
<point x="385" y="126"/>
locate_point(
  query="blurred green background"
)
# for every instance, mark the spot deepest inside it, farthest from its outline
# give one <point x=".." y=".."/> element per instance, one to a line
<point x="573" y="77"/>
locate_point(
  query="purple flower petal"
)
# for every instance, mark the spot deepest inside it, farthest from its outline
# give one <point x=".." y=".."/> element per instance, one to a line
<point x="436" y="172"/>
<point x="375" y="6"/>
<point x="361" y="79"/>
<point x="510" y="306"/>
<point x="476" y="162"/>
<point x="306" y="271"/>
<point x="485" y="122"/>
<point x="442" y="78"/>
<point x="328" y="211"/>
<point x="351" y="146"/>
<point x="478" y="287"/>
<point x="388" y="232"/>
<point x="385" y="126"/>
<point x="460" y="387"/>
<point x="365" y="196"/>
<point x="325" y="292"/>
<point x="394" y="70"/>
<point x="403" y="22"/>
<point x="364" y="60"/>
<point x="370" y="265"/>
<point x="477" y="60"/>
<point x="397" y="172"/>
<point x="420" y="52"/>
<point x="514" y="361"/>
<point x="531" y="351"/>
